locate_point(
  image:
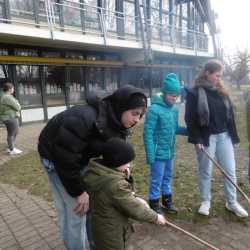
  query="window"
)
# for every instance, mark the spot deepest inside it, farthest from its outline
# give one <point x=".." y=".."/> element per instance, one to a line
<point x="3" y="71"/>
<point x="29" y="85"/>
<point x="156" y="80"/>
<point x="25" y="52"/>
<point x="72" y="13"/>
<point x="129" y="17"/>
<point x="91" y="15"/>
<point x="109" y="14"/>
<point x="55" y="85"/>
<point x="155" y="19"/>
<point x="165" y="5"/>
<point x="76" y="86"/>
<point x="111" y="79"/>
<point x="51" y="54"/>
<point x="22" y="9"/>
<point x="94" y="79"/>
<point x="74" y="55"/>
<point x="3" y="52"/>
<point x="2" y="10"/>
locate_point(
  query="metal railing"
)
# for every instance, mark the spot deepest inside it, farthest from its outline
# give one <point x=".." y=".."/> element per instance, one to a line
<point x="79" y="17"/>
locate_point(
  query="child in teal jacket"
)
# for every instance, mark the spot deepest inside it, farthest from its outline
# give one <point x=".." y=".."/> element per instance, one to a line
<point x="160" y="127"/>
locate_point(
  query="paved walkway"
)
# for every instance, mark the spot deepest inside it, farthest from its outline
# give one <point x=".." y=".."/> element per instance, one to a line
<point x="28" y="222"/>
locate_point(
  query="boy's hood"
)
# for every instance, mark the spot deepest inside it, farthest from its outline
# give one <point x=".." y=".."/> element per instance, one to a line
<point x="97" y="175"/>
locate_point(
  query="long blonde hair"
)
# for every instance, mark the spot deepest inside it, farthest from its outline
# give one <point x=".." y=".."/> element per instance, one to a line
<point x="211" y="67"/>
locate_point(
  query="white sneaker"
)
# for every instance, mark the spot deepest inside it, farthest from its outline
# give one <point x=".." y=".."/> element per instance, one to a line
<point x="204" y="208"/>
<point x="237" y="209"/>
<point x="15" y="151"/>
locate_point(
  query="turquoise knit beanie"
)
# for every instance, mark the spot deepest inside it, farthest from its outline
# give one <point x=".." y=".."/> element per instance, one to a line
<point x="171" y="84"/>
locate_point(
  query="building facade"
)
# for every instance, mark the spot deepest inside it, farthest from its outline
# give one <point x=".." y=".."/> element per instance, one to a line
<point x="55" y="51"/>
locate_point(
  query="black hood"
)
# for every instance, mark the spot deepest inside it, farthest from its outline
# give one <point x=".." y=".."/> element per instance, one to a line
<point x="120" y="97"/>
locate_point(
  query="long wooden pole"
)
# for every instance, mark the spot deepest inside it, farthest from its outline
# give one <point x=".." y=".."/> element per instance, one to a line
<point x="192" y="236"/>
<point x="226" y="175"/>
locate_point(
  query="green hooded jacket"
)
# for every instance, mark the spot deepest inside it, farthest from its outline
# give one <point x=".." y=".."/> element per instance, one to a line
<point x="9" y="107"/>
<point x="112" y="203"/>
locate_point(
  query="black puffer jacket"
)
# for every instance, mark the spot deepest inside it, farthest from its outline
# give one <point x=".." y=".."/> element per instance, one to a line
<point x="74" y="136"/>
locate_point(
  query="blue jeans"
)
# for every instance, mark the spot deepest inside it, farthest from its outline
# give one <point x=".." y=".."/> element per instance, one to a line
<point x="160" y="179"/>
<point x="221" y="147"/>
<point x="72" y="226"/>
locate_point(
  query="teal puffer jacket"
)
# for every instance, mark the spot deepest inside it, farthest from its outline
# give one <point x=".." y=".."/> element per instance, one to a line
<point x="160" y="127"/>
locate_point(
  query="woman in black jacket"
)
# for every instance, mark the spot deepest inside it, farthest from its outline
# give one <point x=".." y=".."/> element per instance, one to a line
<point x="211" y="126"/>
<point x="74" y="136"/>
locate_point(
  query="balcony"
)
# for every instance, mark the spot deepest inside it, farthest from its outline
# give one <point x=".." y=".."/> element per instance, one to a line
<point x="79" y="23"/>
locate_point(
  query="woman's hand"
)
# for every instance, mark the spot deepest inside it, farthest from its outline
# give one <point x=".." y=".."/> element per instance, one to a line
<point x="82" y="204"/>
<point x="199" y="146"/>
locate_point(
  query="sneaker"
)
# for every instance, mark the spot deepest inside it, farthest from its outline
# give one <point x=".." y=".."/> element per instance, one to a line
<point x="237" y="209"/>
<point x="204" y="208"/>
<point x="15" y="151"/>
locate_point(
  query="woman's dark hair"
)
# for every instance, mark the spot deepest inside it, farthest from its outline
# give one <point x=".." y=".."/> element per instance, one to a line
<point x="7" y="86"/>
<point x="211" y="67"/>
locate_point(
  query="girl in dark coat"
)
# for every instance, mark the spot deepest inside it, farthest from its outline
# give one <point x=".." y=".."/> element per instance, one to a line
<point x="71" y="138"/>
<point x="211" y="126"/>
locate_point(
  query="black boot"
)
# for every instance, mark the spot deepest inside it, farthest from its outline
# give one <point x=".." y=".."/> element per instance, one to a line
<point x="168" y="204"/>
<point x="155" y="205"/>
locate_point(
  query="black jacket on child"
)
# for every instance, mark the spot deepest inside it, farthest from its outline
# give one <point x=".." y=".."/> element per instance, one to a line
<point x="74" y="136"/>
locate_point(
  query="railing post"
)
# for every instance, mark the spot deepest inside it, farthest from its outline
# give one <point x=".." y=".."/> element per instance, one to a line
<point x="48" y="8"/>
<point x="6" y="10"/>
<point x="103" y="26"/>
<point x="82" y="15"/>
<point x="36" y="12"/>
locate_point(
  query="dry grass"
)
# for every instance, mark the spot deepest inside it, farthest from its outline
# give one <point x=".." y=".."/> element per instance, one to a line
<point x="25" y="172"/>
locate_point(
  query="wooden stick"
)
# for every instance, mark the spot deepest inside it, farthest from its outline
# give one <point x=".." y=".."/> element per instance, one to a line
<point x="192" y="236"/>
<point x="226" y="175"/>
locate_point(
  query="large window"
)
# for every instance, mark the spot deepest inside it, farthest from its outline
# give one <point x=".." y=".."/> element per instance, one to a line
<point x="76" y="86"/>
<point x="155" y="19"/>
<point x="156" y="80"/>
<point x="111" y="79"/>
<point x="165" y="5"/>
<point x="22" y="9"/>
<point x="94" y="79"/>
<point x="72" y="13"/>
<point x="3" y="74"/>
<point x="29" y="85"/>
<point x="26" y="52"/>
<point x="55" y="85"/>
<point x="2" y="10"/>
<point x="91" y="19"/>
<point x="129" y="17"/>
<point x="109" y="14"/>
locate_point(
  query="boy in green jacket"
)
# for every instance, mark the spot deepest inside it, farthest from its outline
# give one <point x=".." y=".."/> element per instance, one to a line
<point x="112" y="200"/>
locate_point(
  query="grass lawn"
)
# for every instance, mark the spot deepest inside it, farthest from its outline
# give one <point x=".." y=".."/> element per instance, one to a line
<point x="26" y="172"/>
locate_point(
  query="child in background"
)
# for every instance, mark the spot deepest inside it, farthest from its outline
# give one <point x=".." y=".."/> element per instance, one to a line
<point x="160" y="127"/>
<point x="112" y="200"/>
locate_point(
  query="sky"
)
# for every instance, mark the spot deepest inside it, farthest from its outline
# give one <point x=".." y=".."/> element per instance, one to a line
<point x="234" y="24"/>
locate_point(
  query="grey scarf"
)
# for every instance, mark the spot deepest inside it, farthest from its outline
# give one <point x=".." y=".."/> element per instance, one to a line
<point x="203" y="108"/>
